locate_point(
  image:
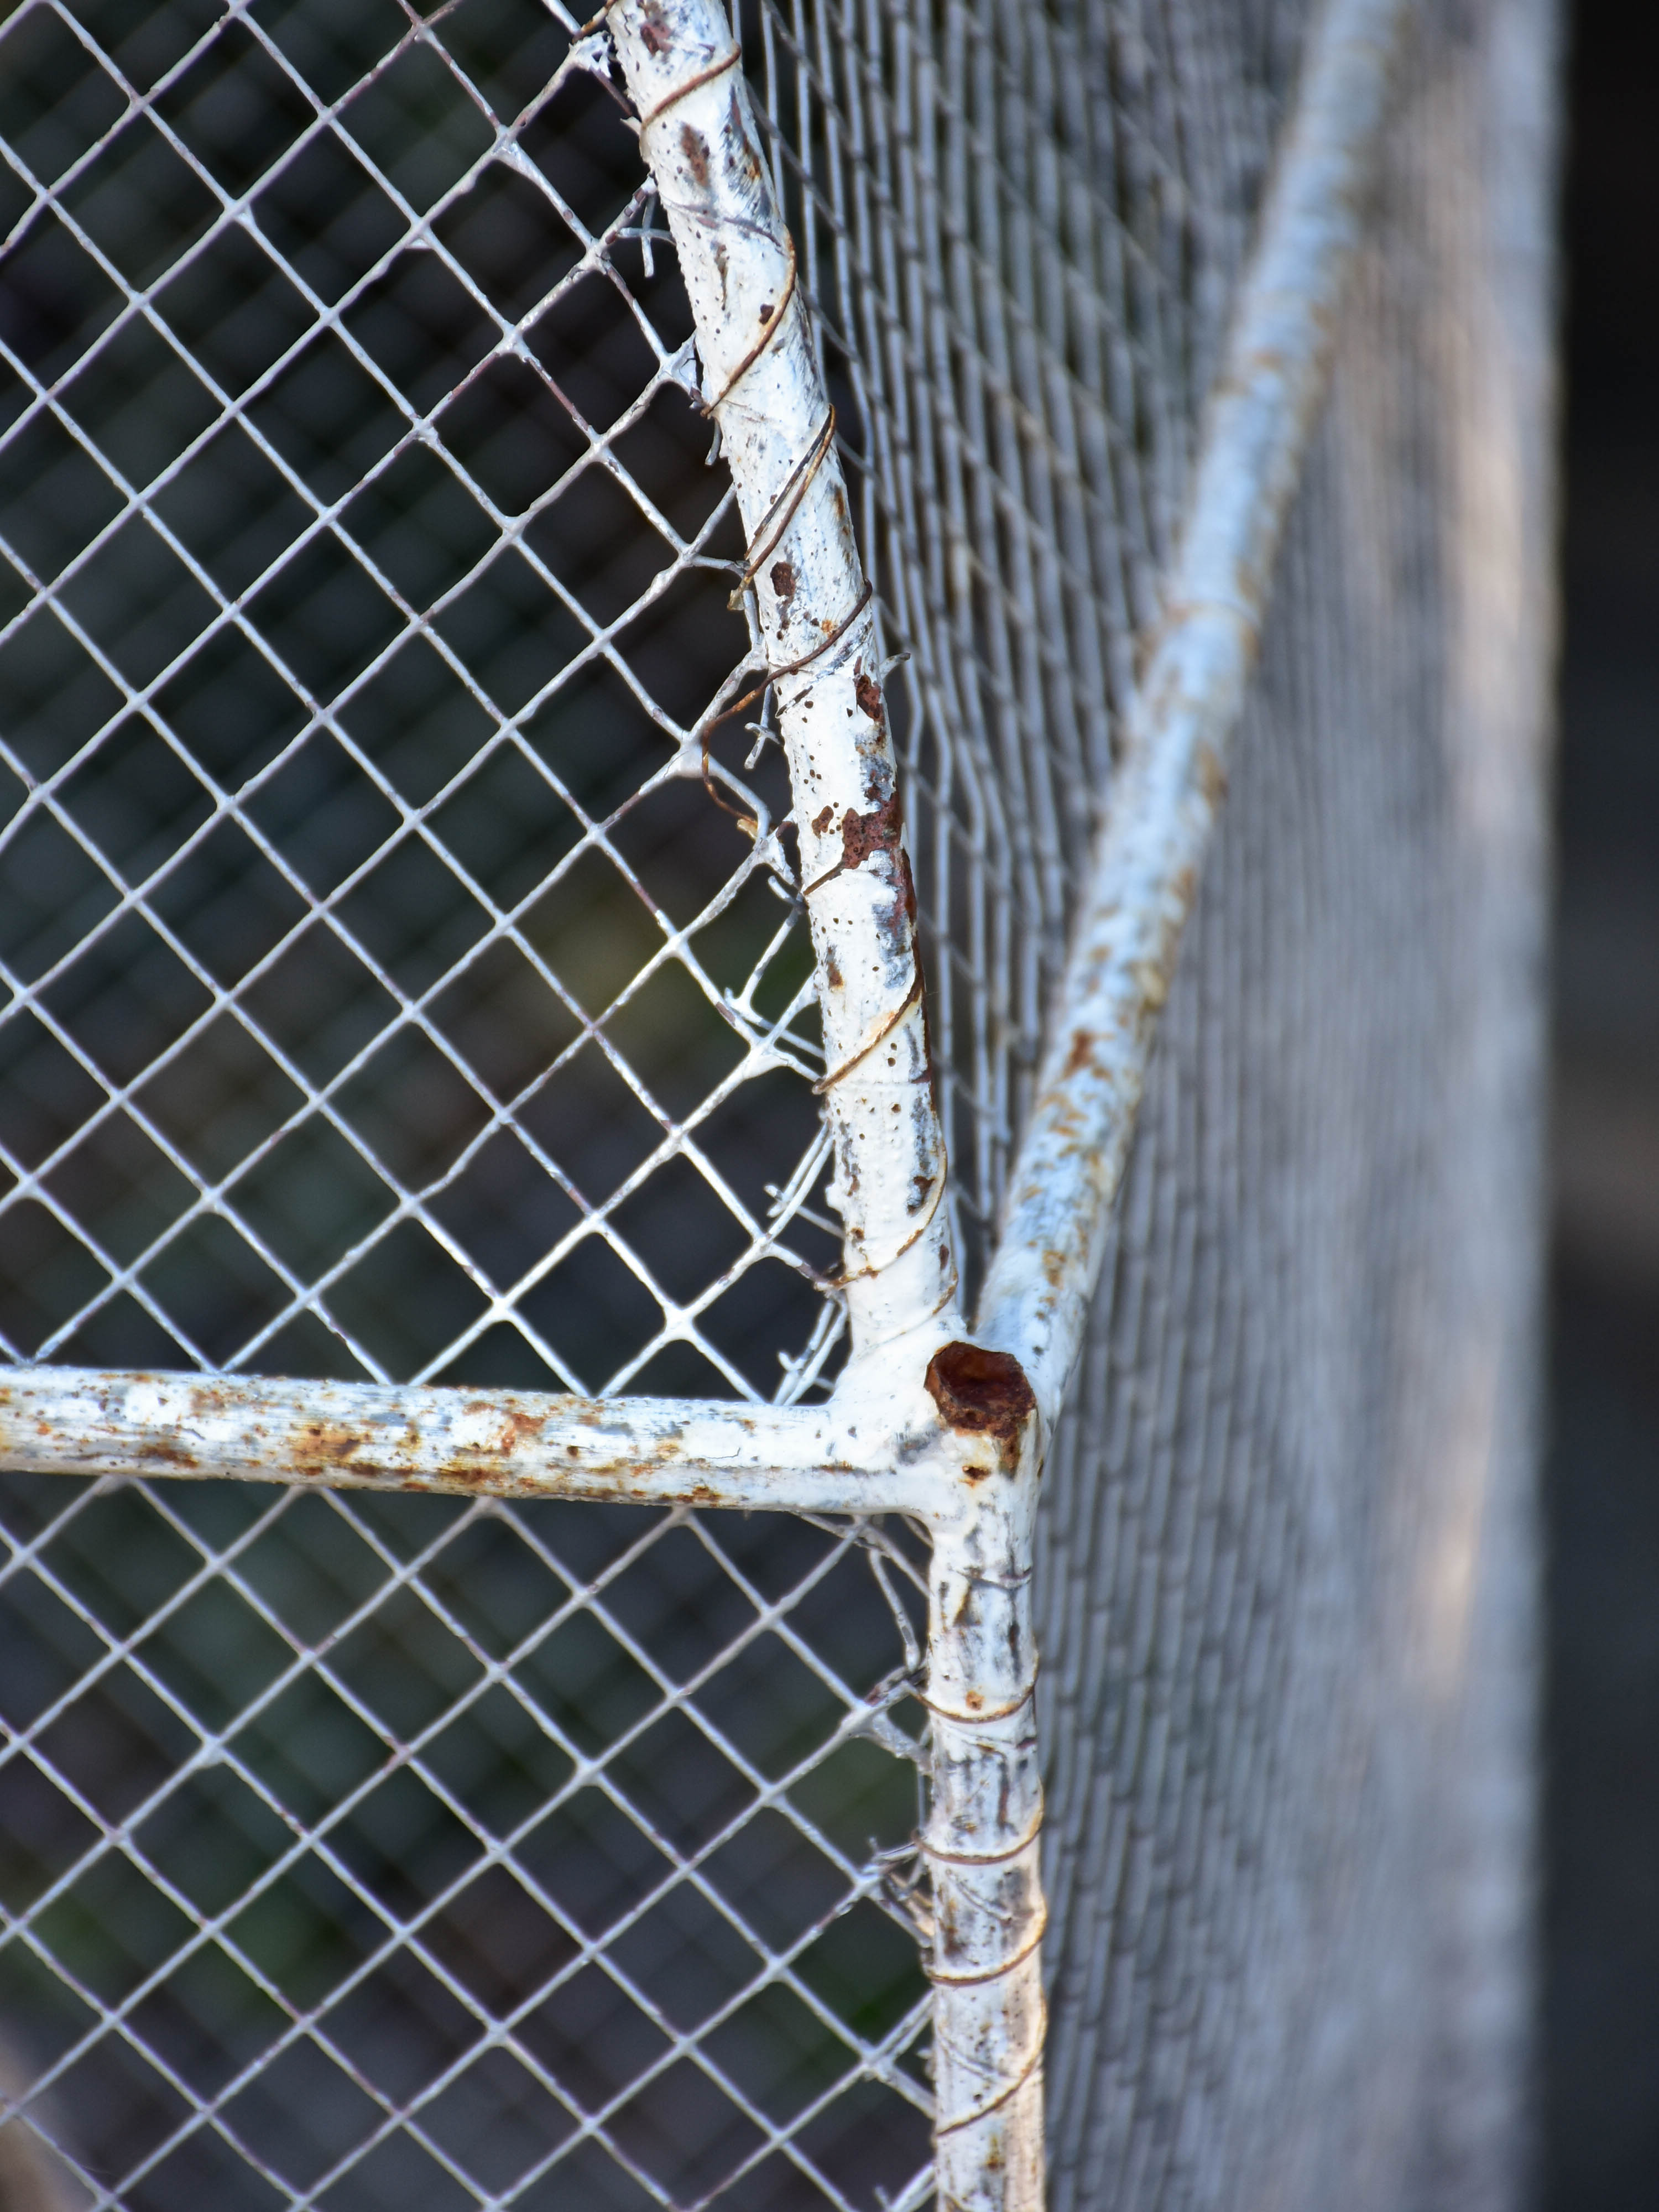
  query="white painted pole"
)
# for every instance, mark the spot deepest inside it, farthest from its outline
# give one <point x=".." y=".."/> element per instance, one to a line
<point x="983" y="1838"/>
<point x="762" y="384"/>
<point x="852" y="1455"/>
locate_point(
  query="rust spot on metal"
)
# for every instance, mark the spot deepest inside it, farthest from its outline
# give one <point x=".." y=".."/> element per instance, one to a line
<point x="654" y="32"/>
<point x="166" y="1455"/>
<point x="783" y="579"/>
<point x="867" y="692"/>
<point x="516" y="1427"/>
<point x="1082" y="1052"/>
<point x="879" y="832"/>
<point x="907" y="899"/>
<point x="832" y="975"/>
<point x="979" y="1391"/>
<point x="822" y="820"/>
<point x="323" y="1443"/>
<point x="1212" y="776"/>
<point x="977" y="1473"/>
<point x="695" y="146"/>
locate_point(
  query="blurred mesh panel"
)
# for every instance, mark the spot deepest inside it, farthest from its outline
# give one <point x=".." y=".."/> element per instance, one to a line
<point x="1286" y="1559"/>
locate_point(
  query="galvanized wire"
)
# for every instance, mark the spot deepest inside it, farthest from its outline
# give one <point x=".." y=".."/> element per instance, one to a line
<point x="253" y="872"/>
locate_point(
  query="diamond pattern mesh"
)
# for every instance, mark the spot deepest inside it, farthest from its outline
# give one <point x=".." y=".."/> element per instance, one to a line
<point x="368" y="1852"/>
<point x="392" y="990"/>
<point x="390" y="996"/>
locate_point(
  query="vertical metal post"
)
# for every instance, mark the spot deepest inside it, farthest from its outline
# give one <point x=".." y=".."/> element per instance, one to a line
<point x="814" y="612"/>
<point x="983" y="1833"/>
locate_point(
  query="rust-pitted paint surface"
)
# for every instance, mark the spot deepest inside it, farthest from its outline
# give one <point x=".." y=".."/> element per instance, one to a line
<point x="846" y="1457"/>
<point x="979" y="1391"/>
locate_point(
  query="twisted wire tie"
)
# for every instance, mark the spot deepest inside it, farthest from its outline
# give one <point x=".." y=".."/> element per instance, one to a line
<point x="1032" y="2065"/>
<point x="760" y="690"/>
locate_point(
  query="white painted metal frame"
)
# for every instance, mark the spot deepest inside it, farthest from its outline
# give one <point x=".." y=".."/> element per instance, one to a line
<point x="925" y="1420"/>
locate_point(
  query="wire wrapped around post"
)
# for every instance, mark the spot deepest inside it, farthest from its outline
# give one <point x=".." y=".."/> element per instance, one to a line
<point x="983" y="1837"/>
<point x="816" y="620"/>
<point x="980" y="1840"/>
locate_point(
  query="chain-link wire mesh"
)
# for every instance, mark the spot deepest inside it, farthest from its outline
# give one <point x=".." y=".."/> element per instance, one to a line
<point x="391" y="998"/>
<point x="394" y="989"/>
<point x="366" y="1852"/>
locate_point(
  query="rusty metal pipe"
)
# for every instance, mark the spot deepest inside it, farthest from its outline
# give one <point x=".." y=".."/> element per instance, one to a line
<point x="816" y="621"/>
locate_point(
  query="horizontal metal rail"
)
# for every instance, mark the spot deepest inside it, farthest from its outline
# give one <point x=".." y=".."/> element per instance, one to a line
<point x="833" y="1458"/>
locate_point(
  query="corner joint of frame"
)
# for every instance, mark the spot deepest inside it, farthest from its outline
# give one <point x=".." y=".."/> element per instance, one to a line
<point x="989" y="1424"/>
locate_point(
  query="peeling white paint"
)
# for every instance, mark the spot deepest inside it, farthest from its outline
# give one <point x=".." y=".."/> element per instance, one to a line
<point x="762" y="384"/>
<point x="847" y="1456"/>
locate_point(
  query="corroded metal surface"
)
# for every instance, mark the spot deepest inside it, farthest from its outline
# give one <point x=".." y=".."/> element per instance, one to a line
<point x="847" y="1456"/>
<point x="983" y="1833"/>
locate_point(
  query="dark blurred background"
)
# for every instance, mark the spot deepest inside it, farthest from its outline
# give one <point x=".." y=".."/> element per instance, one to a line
<point x="1602" y="1964"/>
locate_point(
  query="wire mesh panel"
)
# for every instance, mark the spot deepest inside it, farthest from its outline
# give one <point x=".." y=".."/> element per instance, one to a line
<point x="407" y="980"/>
<point x="362" y="1854"/>
<point x="1020" y="227"/>
<point x="392" y="995"/>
